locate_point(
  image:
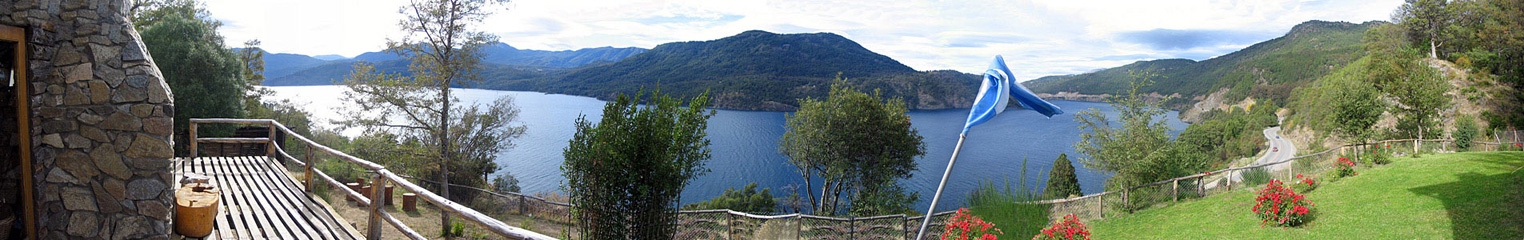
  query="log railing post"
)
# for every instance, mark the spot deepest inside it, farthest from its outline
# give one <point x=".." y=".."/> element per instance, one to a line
<point x="521" y="204"/>
<point x="308" y="168"/>
<point x="1126" y="205"/>
<point x="1175" y="189"/>
<point x="270" y="149"/>
<point x="1100" y="207"/>
<point x="193" y="148"/>
<point x="799" y="226"/>
<point x="377" y="193"/>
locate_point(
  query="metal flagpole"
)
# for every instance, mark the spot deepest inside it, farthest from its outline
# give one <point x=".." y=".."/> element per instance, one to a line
<point x="927" y="220"/>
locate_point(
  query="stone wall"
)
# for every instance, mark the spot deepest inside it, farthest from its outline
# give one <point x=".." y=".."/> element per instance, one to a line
<point x="101" y="118"/>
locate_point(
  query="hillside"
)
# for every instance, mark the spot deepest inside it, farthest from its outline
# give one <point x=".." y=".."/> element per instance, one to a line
<point x="1437" y="196"/>
<point x="758" y="70"/>
<point x="502" y="62"/>
<point x="1266" y="70"/>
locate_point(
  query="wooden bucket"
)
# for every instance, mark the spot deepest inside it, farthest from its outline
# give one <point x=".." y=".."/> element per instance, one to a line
<point x="195" y="210"/>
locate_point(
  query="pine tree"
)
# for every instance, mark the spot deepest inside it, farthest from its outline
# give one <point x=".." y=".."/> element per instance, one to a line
<point x="1062" y="182"/>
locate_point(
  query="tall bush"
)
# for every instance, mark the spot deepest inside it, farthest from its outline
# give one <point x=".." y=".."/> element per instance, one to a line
<point x="625" y="173"/>
<point x="1062" y="182"/>
<point x="1465" y="132"/>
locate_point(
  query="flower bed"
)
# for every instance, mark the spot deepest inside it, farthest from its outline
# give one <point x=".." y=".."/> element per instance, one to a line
<point x="1344" y="168"/>
<point x="1304" y="184"/>
<point x="1280" y="206"/>
<point x="1069" y="229"/>
<point x="963" y="225"/>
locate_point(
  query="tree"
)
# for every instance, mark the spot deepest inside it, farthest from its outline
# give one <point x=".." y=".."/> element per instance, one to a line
<point x="858" y="145"/>
<point x="205" y="76"/>
<point x="253" y="59"/>
<point x="1465" y="132"/>
<point x="444" y="50"/>
<point x="1120" y="149"/>
<point x="505" y="183"/>
<point x="1425" y="21"/>
<point x="1397" y="70"/>
<point x="625" y="174"/>
<point x="1356" y="107"/>
<point x="748" y="199"/>
<point x="1062" y="182"/>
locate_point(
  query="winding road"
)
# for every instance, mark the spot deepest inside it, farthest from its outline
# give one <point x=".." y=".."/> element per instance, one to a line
<point x="1280" y="150"/>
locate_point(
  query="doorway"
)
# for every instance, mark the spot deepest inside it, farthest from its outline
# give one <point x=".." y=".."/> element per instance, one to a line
<point x="15" y="160"/>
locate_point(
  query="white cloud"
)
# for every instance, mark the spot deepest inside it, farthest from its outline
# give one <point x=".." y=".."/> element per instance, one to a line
<point x="1038" y="37"/>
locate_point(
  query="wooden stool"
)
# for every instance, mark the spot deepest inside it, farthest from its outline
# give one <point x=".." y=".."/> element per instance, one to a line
<point x="195" y="210"/>
<point x="366" y="191"/>
<point x="388" y="195"/>
<point x="352" y="187"/>
<point x="410" y="202"/>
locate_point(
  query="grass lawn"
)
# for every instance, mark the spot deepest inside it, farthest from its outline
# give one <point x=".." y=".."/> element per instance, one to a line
<point x="1438" y="196"/>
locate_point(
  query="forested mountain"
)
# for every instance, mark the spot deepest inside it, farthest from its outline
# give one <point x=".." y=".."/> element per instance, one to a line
<point x="758" y="70"/>
<point x="502" y="62"/>
<point x="1267" y="70"/>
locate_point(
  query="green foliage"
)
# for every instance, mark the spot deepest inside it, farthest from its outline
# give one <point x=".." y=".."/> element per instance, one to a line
<point x="858" y="145"/>
<point x="1268" y="70"/>
<point x="505" y="183"/>
<point x="1465" y="132"/>
<point x="1062" y="182"/>
<point x="1424" y="21"/>
<point x="1355" y="109"/>
<point x="1002" y="207"/>
<point x="747" y="199"/>
<point x="1256" y="176"/>
<point x="1140" y="150"/>
<point x="1227" y="135"/>
<point x="205" y="76"/>
<point x="625" y="174"/>
<point x="1398" y="71"/>
<point x="1377" y="156"/>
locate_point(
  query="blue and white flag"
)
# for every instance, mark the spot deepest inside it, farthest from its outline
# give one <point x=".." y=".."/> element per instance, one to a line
<point x="997" y="90"/>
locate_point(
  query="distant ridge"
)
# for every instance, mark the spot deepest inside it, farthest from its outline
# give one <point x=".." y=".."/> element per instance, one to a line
<point x="759" y="70"/>
<point x="1266" y="70"/>
<point x="501" y="60"/>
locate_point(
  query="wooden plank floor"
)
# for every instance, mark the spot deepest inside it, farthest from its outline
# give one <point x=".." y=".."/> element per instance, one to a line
<point x="260" y="200"/>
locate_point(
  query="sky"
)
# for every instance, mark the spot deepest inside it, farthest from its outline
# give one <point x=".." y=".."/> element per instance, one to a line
<point x="1036" y="37"/>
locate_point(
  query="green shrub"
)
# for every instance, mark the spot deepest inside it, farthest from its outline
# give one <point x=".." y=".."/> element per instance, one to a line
<point x="1001" y="207"/>
<point x="747" y="199"/>
<point x="1378" y="156"/>
<point x="1465" y="132"/>
<point x="1257" y="176"/>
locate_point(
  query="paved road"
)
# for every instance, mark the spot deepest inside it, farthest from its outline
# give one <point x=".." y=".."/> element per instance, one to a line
<point x="1280" y="150"/>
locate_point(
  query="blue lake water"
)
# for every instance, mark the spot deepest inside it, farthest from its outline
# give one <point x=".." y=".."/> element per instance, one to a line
<point x="744" y="145"/>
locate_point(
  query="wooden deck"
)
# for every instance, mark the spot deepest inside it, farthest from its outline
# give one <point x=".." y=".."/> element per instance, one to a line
<point x="261" y="200"/>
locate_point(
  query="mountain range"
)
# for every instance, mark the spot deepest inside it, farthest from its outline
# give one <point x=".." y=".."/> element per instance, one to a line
<point x="1267" y="70"/>
<point x="500" y="61"/>
<point x="759" y="70"/>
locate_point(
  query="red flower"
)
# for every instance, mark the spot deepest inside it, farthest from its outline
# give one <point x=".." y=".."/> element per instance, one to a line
<point x="1299" y="210"/>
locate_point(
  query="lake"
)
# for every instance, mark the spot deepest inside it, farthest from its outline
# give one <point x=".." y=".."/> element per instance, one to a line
<point x="744" y="144"/>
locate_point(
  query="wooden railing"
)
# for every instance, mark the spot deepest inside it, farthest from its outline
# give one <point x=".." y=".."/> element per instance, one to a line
<point x="380" y="178"/>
